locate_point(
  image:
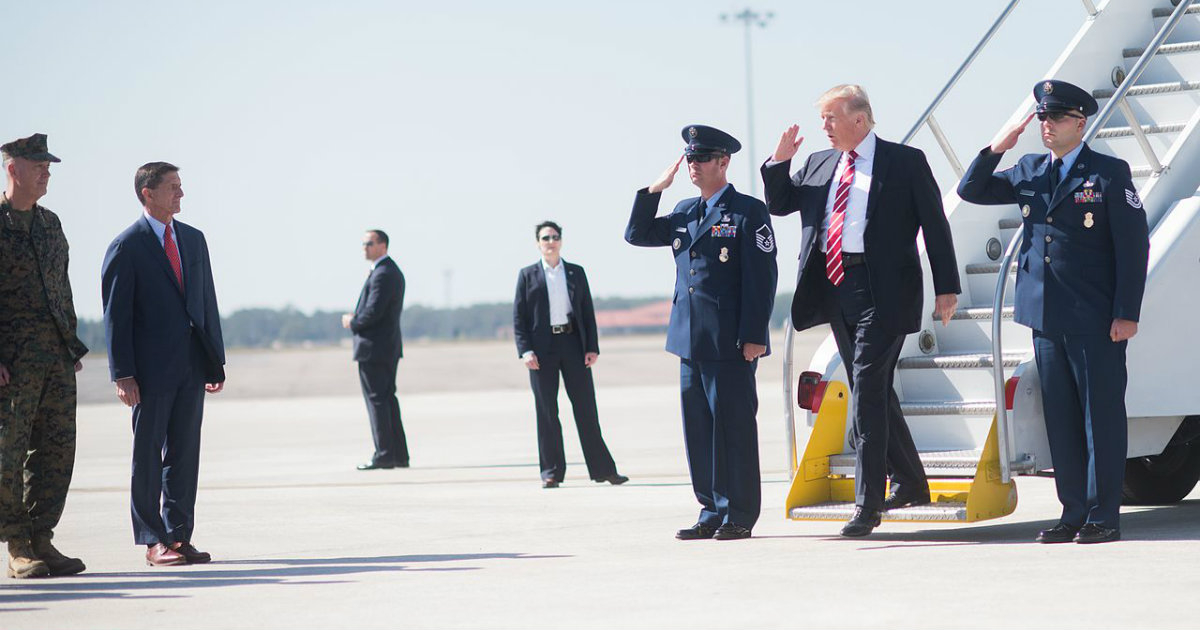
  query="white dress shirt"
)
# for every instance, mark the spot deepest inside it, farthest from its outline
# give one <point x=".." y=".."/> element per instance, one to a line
<point x="556" y="286"/>
<point x="854" y="224"/>
<point x="160" y="230"/>
<point x="378" y="261"/>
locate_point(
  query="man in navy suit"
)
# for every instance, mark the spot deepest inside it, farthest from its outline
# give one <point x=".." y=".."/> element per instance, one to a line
<point x="725" y="277"/>
<point x="861" y="204"/>
<point x="1080" y="282"/>
<point x="554" y="324"/>
<point x="378" y="348"/>
<point x="165" y="351"/>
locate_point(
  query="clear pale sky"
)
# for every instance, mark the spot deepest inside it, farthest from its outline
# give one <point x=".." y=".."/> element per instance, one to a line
<point x="457" y="126"/>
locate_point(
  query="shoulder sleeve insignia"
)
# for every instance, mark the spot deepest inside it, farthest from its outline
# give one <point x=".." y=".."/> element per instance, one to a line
<point x="1132" y="198"/>
<point x="764" y="238"/>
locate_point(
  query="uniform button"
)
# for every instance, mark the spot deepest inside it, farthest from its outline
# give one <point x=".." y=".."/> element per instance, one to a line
<point x="693" y="254"/>
<point x="1047" y="259"/>
<point x="692" y="272"/>
<point x="1049" y="219"/>
<point x="693" y="289"/>
<point x="1049" y="238"/>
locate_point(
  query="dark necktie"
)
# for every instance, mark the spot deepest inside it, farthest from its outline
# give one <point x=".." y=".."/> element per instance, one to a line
<point x="1055" y="169"/>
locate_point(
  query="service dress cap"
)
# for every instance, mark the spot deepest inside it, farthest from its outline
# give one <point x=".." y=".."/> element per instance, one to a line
<point x="1060" y="96"/>
<point x="702" y="139"/>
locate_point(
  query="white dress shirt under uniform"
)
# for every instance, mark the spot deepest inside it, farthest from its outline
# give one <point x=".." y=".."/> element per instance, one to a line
<point x="160" y="230"/>
<point x="854" y="224"/>
<point x="556" y="286"/>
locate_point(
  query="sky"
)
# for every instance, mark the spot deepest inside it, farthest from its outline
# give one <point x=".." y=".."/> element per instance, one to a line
<point x="457" y="126"/>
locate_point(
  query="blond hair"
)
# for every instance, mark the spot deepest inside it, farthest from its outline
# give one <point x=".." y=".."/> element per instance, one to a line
<point x="854" y="97"/>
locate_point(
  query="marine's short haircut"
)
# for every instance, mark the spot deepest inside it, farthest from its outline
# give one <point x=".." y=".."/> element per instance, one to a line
<point x="855" y="98"/>
<point x="381" y="235"/>
<point x="546" y="224"/>
<point x="150" y="175"/>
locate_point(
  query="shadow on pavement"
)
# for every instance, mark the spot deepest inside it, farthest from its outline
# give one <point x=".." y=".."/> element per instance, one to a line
<point x="258" y="572"/>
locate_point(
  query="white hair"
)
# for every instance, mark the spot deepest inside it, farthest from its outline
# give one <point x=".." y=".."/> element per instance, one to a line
<point x="854" y="97"/>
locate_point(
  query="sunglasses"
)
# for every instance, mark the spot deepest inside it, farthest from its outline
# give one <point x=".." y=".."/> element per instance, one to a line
<point x="1057" y="116"/>
<point x="369" y="243"/>
<point x="702" y="158"/>
<point x="546" y="238"/>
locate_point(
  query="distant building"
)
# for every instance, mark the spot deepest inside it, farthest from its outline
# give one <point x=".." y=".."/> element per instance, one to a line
<point x="648" y="318"/>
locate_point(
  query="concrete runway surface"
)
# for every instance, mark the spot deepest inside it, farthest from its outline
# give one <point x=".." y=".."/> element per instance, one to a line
<point x="468" y="538"/>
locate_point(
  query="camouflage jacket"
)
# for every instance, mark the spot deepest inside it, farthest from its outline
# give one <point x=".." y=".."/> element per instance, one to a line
<point x="51" y="251"/>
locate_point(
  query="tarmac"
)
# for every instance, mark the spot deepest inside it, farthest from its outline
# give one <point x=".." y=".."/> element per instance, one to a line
<point x="467" y="537"/>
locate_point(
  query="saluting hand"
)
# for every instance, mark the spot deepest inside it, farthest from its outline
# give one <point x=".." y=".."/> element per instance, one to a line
<point x="789" y="144"/>
<point x="1008" y="138"/>
<point x="944" y="306"/>
<point x="668" y="176"/>
<point x="1122" y="329"/>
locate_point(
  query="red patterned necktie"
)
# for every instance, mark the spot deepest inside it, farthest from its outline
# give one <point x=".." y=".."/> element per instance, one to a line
<point x="833" y="241"/>
<point x="173" y="255"/>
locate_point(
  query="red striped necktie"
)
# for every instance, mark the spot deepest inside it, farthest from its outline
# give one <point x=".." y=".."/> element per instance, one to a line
<point x="833" y="240"/>
<point x="173" y="255"/>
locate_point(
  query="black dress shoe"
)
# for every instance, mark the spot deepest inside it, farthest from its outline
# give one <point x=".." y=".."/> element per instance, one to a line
<point x="731" y="531"/>
<point x="865" y="520"/>
<point x="614" y="479"/>
<point x="376" y="466"/>
<point x="1092" y="533"/>
<point x="699" y="531"/>
<point x="550" y="483"/>
<point x="1060" y="533"/>
<point x="902" y="498"/>
<point x="403" y="464"/>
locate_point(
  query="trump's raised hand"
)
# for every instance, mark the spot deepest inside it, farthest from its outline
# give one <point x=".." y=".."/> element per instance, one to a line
<point x="789" y="144"/>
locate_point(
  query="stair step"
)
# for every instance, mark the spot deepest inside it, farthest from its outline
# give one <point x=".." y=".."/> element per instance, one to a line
<point x="1150" y="89"/>
<point x="988" y="267"/>
<point x="958" y="361"/>
<point x="1165" y="49"/>
<point x="981" y="312"/>
<point x="937" y="463"/>
<point x="954" y="408"/>
<point x="1127" y="132"/>
<point x="1010" y="224"/>
<point x="842" y="511"/>
<point x="1160" y="12"/>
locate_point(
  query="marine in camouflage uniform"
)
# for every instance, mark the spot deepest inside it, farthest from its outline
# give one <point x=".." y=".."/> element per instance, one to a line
<point x="39" y="354"/>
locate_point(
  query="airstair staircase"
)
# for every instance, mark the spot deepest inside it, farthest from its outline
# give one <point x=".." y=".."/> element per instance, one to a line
<point x="1141" y="59"/>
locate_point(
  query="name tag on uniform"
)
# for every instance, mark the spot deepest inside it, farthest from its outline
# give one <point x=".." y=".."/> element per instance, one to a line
<point x="724" y="231"/>
<point x="1027" y="193"/>
<point x="1089" y="195"/>
<point x="681" y="229"/>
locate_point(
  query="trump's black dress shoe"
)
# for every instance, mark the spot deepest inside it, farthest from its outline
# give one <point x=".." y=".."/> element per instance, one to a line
<point x="731" y="531"/>
<point x="1092" y="533"/>
<point x="699" y="531"/>
<point x="1060" y="533"/>
<point x="614" y="479"/>
<point x="550" y="483"/>
<point x="903" y="498"/>
<point x="865" y="520"/>
<point x="376" y="466"/>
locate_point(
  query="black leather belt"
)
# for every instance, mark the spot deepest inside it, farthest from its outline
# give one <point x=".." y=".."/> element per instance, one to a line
<point x="853" y="260"/>
<point x="566" y="328"/>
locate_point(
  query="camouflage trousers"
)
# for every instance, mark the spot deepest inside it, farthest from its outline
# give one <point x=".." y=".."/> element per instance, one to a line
<point x="37" y="447"/>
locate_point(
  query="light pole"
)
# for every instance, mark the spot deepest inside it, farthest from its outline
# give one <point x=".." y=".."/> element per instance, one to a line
<point x="749" y="18"/>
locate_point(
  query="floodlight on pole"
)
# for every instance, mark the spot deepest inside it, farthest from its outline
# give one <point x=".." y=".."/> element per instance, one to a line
<point x="749" y="18"/>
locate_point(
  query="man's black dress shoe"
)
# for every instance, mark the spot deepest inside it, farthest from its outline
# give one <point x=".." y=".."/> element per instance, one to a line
<point x="1060" y="533"/>
<point x="902" y="498"/>
<point x="699" y="531"/>
<point x="550" y="483"/>
<point x="1092" y="533"/>
<point x="614" y="479"/>
<point x="403" y="464"/>
<point x="731" y="531"/>
<point x="864" y="520"/>
<point x="376" y="466"/>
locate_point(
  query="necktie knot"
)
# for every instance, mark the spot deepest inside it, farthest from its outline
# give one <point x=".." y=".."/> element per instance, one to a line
<point x="853" y="156"/>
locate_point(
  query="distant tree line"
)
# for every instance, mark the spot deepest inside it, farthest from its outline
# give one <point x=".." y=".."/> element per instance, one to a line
<point x="266" y="327"/>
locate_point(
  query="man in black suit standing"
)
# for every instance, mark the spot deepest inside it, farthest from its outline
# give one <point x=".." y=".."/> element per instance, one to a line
<point x="378" y="348"/>
<point x="165" y="351"/>
<point x="861" y="204"/>
<point x="554" y="325"/>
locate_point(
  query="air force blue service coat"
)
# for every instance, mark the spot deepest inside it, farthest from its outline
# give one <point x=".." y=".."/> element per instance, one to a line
<point x="725" y="272"/>
<point x="1083" y="257"/>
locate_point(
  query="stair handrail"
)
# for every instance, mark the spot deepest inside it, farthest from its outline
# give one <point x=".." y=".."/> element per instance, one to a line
<point x="1117" y="100"/>
<point x="1002" y="436"/>
<point x="927" y="115"/>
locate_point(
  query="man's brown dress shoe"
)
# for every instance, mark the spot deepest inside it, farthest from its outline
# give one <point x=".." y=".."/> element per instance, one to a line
<point x="192" y="554"/>
<point x="160" y="555"/>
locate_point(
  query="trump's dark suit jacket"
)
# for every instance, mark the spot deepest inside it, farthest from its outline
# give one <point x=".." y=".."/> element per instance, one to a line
<point x="148" y="320"/>
<point x="531" y="309"/>
<point x="904" y="198"/>
<point x="376" y="322"/>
